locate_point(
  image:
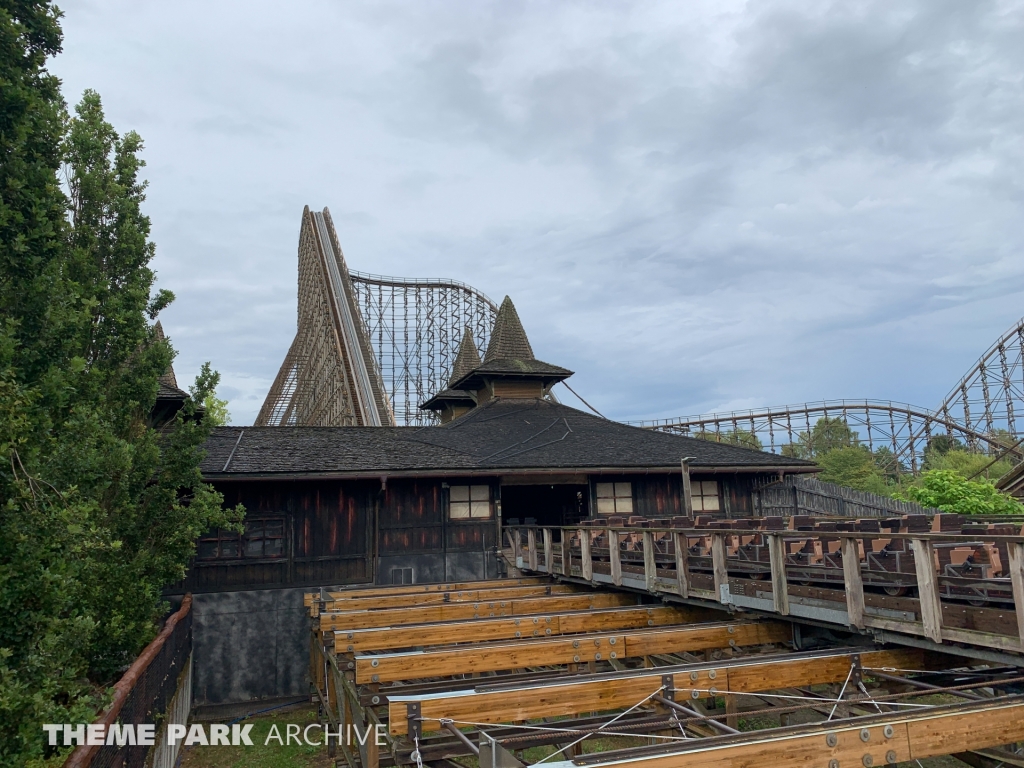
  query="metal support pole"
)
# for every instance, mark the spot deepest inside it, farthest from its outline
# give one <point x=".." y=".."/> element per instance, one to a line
<point x="449" y="726"/>
<point x="693" y="713"/>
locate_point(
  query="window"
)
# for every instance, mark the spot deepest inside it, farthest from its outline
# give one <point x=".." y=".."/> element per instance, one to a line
<point x="614" y="498"/>
<point x="704" y="495"/>
<point x="262" y="538"/>
<point x="467" y="502"/>
<point x="401" y="575"/>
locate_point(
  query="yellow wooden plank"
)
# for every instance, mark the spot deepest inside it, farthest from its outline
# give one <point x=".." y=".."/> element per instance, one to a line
<point x="390" y="617"/>
<point x="481" y="630"/>
<point x="410" y="589"/>
<point x="902" y="739"/>
<point x="615" y="692"/>
<point x="493" y="657"/>
<point x="455" y="596"/>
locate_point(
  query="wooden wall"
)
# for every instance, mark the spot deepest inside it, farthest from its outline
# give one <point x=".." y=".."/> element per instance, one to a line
<point x="328" y="528"/>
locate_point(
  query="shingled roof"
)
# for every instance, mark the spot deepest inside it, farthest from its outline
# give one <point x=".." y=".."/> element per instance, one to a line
<point x="466" y="360"/>
<point x="501" y="436"/>
<point x="508" y="339"/>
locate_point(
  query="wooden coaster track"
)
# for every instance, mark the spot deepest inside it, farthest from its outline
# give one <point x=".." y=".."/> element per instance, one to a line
<point x="669" y="684"/>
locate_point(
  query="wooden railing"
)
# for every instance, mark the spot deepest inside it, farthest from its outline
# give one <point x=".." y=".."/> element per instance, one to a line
<point x="946" y="587"/>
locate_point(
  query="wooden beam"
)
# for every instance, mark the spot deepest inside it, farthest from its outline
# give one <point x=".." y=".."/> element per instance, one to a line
<point x="614" y="558"/>
<point x="362" y="591"/>
<point x="928" y="588"/>
<point x="390" y="617"/>
<point x="896" y="737"/>
<point x="601" y="693"/>
<point x="853" y="582"/>
<point x="682" y="566"/>
<point x="780" y="587"/>
<point x="494" y="657"/>
<point x="531" y="548"/>
<point x="564" y="545"/>
<point x="482" y="630"/>
<point x="1016" y="553"/>
<point x="718" y="565"/>
<point x="459" y="596"/>
<point x="650" y="566"/>
<point x="586" y="561"/>
<point x="687" y="497"/>
<point x="548" y="551"/>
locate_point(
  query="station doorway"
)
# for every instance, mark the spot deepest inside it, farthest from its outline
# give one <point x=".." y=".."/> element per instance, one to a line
<point x="544" y="504"/>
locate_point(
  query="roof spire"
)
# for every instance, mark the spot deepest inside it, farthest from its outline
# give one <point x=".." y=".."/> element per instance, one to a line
<point x="466" y="360"/>
<point x="508" y="339"/>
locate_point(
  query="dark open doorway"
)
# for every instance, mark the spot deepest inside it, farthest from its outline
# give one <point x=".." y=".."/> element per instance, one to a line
<point x="547" y="504"/>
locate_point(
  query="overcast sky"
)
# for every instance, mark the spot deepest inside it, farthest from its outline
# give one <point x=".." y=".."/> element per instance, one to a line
<point x="696" y="206"/>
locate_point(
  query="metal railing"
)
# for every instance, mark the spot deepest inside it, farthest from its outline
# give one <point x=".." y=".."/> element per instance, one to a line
<point x="145" y="693"/>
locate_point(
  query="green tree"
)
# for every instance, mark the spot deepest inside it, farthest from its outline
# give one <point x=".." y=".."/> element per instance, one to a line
<point x="969" y="464"/>
<point x="951" y="492"/>
<point x="215" y="411"/>
<point x="97" y="514"/>
<point x="741" y="437"/>
<point x="828" y="433"/>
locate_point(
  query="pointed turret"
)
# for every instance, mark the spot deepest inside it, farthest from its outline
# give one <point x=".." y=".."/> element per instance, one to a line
<point x="508" y="339"/>
<point x="509" y="368"/>
<point x="467" y="359"/>
<point x="450" y="403"/>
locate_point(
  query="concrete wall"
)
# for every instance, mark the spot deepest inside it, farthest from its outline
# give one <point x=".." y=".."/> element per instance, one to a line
<point x="249" y="646"/>
<point x="254" y="645"/>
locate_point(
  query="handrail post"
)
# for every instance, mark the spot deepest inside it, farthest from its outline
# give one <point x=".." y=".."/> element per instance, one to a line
<point x="650" y="566"/>
<point x="687" y="498"/>
<point x="1016" y="553"/>
<point x="586" y="561"/>
<point x="531" y="544"/>
<point x="853" y="582"/>
<point x="566" y="570"/>
<point x="928" y="588"/>
<point x="682" y="566"/>
<point x="547" y="551"/>
<point x="719" y="567"/>
<point x="780" y="587"/>
<point x="613" y="557"/>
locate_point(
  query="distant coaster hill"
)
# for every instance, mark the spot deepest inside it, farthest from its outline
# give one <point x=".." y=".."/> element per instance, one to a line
<point x="370" y="350"/>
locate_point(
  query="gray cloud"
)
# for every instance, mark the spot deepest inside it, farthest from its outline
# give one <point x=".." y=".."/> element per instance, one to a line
<point x="695" y="206"/>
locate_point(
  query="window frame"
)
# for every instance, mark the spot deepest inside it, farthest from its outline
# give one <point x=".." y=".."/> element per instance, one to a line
<point x="621" y="497"/>
<point x="242" y="540"/>
<point x="471" y="504"/>
<point x="697" y="499"/>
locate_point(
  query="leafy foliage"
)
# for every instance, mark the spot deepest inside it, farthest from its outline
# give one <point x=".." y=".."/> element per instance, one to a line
<point x="742" y="437"/>
<point x="854" y="467"/>
<point x="216" y="412"/>
<point x="99" y="510"/>
<point x="952" y="492"/>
